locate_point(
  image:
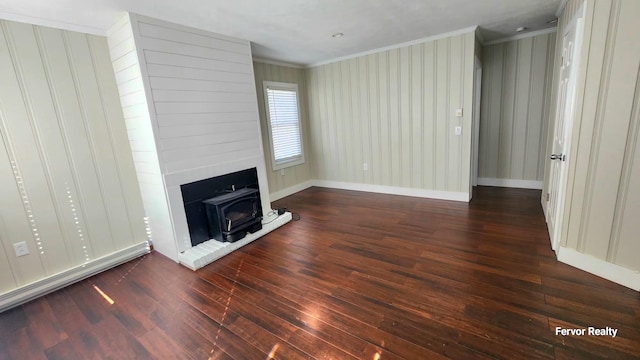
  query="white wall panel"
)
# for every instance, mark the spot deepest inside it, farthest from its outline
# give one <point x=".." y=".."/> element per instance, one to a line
<point x="65" y="164"/>
<point x="161" y="83"/>
<point x="164" y="58"/>
<point x="395" y="111"/>
<point x="189" y="103"/>
<point x="141" y="133"/>
<point x="515" y="108"/>
<point x="157" y="29"/>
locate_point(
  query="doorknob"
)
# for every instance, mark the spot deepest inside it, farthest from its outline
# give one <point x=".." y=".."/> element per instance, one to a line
<point x="560" y="157"/>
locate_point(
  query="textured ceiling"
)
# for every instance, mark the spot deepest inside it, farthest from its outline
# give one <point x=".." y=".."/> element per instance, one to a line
<point x="299" y="31"/>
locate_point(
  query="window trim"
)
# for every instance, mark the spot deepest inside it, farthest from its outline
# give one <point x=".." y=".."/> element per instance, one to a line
<point x="293" y="161"/>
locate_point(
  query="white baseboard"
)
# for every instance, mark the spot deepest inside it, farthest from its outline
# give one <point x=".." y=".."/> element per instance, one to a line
<point x="604" y="269"/>
<point x="290" y="190"/>
<point x="512" y="183"/>
<point x="54" y="282"/>
<point x="394" y="190"/>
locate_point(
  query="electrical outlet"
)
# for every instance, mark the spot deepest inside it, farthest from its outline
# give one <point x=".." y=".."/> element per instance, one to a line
<point x="281" y="172"/>
<point x="21" y="249"/>
<point x="458" y="112"/>
<point x="458" y="130"/>
<point x="365" y="166"/>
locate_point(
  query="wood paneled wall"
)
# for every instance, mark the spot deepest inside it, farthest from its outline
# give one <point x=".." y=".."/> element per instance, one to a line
<point x="395" y="111"/>
<point x="68" y="182"/>
<point x="604" y="177"/>
<point x="298" y="174"/>
<point x="516" y="87"/>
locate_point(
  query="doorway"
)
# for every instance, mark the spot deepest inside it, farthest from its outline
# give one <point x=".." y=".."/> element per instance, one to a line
<point x="563" y="125"/>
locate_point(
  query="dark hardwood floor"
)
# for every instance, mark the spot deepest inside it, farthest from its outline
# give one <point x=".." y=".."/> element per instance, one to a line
<point x="360" y="276"/>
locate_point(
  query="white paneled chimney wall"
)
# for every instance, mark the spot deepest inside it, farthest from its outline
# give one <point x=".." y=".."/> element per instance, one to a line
<point x="190" y="107"/>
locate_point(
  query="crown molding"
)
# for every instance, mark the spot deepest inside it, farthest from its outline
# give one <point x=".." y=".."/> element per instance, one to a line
<point x="52" y="23"/>
<point x="561" y="7"/>
<point x="277" y="62"/>
<point x="523" y="36"/>
<point x="396" y="46"/>
<point x="479" y="36"/>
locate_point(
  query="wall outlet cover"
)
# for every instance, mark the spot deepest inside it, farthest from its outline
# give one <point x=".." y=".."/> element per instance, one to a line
<point x="21" y="249"/>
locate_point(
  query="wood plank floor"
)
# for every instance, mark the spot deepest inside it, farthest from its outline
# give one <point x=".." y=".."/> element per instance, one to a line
<point x="360" y="276"/>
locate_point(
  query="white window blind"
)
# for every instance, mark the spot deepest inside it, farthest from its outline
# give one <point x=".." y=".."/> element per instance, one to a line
<point x="284" y="124"/>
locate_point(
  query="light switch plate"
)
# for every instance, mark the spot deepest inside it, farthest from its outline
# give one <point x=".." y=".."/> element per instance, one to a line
<point x="21" y="249"/>
<point x="459" y="112"/>
<point x="458" y="130"/>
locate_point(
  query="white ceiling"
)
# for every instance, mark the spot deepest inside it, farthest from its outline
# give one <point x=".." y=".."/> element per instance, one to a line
<point x="299" y="31"/>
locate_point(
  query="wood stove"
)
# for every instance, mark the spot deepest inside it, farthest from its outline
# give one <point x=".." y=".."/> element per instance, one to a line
<point x="224" y="207"/>
<point x="232" y="215"/>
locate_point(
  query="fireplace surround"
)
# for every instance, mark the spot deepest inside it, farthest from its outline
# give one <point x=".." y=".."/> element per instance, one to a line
<point x="223" y="207"/>
<point x="180" y="139"/>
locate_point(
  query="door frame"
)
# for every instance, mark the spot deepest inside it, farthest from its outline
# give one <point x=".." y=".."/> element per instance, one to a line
<point x="555" y="234"/>
<point x="477" y="99"/>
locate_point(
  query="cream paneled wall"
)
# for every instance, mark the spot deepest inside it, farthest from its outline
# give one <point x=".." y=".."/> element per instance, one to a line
<point x="603" y="199"/>
<point x="517" y="82"/>
<point x="69" y="187"/>
<point x="600" y="227"/>
<point x="294" y="175"/>
<point x="395" y="111"/>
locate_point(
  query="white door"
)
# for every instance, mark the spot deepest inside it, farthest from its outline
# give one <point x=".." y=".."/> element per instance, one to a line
<point x="564" y="117"/>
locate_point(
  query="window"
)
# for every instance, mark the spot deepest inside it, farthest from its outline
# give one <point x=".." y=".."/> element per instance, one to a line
<point x="283" y="119"/>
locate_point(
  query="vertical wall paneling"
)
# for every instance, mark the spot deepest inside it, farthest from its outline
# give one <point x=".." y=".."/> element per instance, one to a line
<point x="624" y="248"/>
<point x="62" y="163"/>
<point x="515" y="110"/>
<point x="84" y="189"/>
<point x="429" y="116"/>
<point x="600" y="214"/>
<point x="15" y="223"/>
<point x="43" y="184"/>
<point x="395" y="111"/>
<point x="294" y="175"/>
<point x="415" y="126"/>
<point x="615" y="103"/>
<point x="108" y="91"/>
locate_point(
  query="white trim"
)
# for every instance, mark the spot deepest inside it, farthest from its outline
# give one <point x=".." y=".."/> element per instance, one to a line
<point x="54" y="282"/>
<point x="543" y="202"/>
<point x="396" y="46"/>
<point x="511" y="183"/>
<point x="561" y="6"/>
<point x="394" y="190"/>
<point x="209" y="251"/>
<point x="291" y="190"/>
<point x="616" y="273"/>
<point x="523" y="36"/>
<point x="479" y="35"/>
<point x="52" y="23"/>
<point x="293" y="160"/>
<point x="277" y="62"/>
